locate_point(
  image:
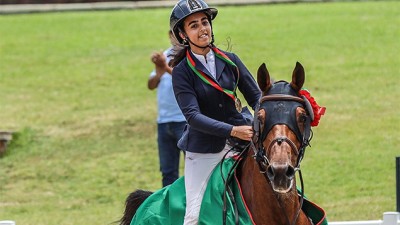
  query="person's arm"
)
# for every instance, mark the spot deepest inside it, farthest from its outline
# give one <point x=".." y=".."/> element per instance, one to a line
<point x="187" y="101"/>
<point x="153" y="81"/>
<point x="161" y="67"/>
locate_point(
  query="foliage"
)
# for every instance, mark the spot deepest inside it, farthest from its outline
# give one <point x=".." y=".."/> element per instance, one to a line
<point x="73" y="89"/>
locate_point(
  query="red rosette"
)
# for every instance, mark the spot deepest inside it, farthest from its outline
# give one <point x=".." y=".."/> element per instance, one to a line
<point x="317" y="110"/>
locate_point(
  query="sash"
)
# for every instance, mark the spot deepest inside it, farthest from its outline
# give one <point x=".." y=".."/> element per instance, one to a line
<point x="208" y="80"/>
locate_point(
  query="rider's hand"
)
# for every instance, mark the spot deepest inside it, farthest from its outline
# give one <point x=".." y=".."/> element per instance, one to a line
<point x="242" y="132"/>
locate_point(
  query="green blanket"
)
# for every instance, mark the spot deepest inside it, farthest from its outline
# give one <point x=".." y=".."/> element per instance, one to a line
<point x="167" y="206"/>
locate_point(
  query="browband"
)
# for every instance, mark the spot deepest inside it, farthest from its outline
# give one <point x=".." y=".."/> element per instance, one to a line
<point x="281" y="97"/>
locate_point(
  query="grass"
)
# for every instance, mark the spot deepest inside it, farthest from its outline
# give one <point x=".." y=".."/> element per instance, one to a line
<point x="73" y="89"/>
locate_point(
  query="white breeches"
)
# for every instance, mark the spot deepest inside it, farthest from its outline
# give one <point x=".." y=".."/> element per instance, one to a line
<point x="198" y="169"/>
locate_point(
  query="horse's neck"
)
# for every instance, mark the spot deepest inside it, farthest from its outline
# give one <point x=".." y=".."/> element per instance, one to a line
<point x="266" y="206"/>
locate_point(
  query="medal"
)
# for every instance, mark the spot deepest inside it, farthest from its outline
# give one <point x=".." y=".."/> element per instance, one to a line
<point x="238" y="105"/>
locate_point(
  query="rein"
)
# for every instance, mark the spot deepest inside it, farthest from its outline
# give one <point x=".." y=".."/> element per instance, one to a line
<point x="228" y="180"/>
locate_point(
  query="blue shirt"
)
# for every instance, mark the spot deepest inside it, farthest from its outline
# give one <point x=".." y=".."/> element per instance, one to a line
<point x="168" y="110"/>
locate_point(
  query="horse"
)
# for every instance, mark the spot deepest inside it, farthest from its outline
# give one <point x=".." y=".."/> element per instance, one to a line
<point x="282" y="131"/>
<point x="267" y="167"/>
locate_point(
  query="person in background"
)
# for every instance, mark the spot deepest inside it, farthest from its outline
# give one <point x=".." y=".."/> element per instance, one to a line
<point x="170" y="121"/>
<point x="205" y="80"/>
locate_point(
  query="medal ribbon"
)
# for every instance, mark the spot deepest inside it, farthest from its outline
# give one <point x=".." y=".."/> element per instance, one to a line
<point x="209" y="81"/>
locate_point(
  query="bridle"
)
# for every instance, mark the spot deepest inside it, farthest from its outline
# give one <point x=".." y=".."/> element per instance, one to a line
<point x="260" y="135"/>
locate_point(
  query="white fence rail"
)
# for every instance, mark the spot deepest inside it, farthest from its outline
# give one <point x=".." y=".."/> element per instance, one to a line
<point x="389" y="218"/>
<point x="7" y="222"/>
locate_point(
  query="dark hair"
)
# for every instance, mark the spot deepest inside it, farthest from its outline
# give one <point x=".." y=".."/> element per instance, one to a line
<point x="178" y="53"/>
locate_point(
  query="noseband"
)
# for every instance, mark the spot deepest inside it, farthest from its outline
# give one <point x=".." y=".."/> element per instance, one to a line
<point x="263" y="159"/>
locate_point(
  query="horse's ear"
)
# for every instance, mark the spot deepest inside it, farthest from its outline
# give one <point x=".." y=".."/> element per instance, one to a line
<point x="263" y="78"/>
<point x="298" y="77"/>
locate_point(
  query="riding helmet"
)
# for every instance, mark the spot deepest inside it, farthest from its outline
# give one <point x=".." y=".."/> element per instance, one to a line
<point x="185" y="8"/>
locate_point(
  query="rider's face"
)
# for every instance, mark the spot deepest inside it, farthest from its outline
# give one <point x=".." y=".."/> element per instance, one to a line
<point x="198" y="28"/>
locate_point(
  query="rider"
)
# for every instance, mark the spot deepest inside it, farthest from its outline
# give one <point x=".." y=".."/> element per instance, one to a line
<point x="205" y="80"/>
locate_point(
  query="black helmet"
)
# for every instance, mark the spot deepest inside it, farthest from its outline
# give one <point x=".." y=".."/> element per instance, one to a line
<point x="185" y="8"/>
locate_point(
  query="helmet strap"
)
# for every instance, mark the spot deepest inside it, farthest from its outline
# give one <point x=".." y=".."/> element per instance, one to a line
<point x="202" y="47"/>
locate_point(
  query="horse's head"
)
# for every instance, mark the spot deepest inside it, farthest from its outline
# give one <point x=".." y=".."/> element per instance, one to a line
<point x="282" y="127"/>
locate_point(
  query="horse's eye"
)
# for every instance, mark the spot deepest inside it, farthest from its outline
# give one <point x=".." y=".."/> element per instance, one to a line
<point x="261" y="119"/>
<point x="303" y="118"/>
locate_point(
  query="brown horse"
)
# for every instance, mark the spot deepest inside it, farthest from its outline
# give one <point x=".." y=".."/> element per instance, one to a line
<point x="266" y="172"/>
<point x="282" y="133"/>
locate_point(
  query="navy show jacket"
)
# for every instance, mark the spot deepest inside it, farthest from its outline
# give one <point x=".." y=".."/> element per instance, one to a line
<point x="210" y="113"/>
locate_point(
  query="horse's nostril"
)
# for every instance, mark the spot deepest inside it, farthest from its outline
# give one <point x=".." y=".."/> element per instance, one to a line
<point x="280" y="171"/>
<point x="290" y="172"/>
<point x="270" y="172"/>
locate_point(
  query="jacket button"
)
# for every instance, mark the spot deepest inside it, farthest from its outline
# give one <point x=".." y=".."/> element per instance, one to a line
<point x="220" y="105"/>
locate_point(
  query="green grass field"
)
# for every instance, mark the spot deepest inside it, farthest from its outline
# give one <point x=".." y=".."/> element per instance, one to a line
<point x="73" y="89"/>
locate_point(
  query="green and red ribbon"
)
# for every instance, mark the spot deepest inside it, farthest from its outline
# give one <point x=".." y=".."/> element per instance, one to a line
<point x="208" y="80"/>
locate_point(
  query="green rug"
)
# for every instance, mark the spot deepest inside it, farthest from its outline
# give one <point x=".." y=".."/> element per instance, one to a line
<point x="167" y="206"/>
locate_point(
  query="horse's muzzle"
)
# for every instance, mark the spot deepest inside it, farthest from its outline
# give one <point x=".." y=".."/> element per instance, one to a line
<point x="281" y="177"/>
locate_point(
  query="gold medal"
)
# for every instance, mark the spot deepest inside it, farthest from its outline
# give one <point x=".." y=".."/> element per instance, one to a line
<point x="238" y="105"/>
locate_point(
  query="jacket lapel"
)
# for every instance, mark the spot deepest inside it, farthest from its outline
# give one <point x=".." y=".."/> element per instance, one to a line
<point x="220" y="66"/>
<point x="200" y="66"/>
